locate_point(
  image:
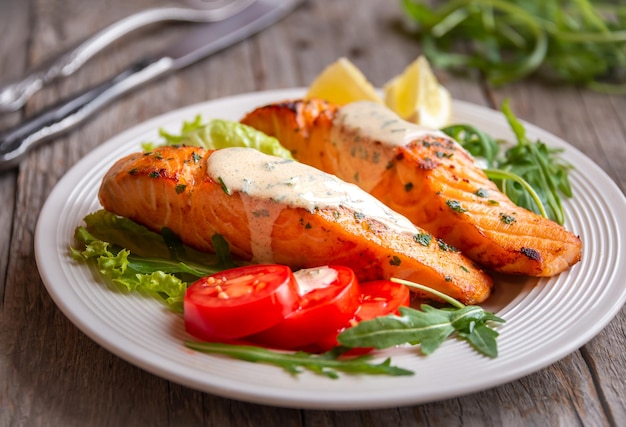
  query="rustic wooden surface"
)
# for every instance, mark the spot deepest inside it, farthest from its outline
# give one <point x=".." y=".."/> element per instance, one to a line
<point x="52" y="374"/>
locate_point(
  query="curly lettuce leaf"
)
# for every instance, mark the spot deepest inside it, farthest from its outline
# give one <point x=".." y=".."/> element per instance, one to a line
<point x="135" y="259"/>
<point x="141" y="241"/>
<point x="218" y="133"/>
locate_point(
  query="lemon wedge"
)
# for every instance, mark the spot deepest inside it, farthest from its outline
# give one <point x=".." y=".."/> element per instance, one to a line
<point x="416" y="96"/>
<point x="341" y="83"/>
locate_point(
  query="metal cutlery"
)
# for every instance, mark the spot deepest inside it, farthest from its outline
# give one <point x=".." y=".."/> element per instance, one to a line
<point x="14" y="95"/>
<point x="199" y="43"/>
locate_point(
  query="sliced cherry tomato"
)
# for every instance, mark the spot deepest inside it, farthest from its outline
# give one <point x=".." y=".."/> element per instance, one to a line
<point x="239" y="302"/>
<point x="331" y="296"/>
<point x="380" y="298"/>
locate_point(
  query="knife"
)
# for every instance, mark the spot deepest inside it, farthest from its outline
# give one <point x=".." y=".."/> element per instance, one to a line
<point x="16" y="142"/>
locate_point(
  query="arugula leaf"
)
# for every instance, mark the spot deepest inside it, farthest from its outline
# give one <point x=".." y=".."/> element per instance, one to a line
<point x="540" y="166"/>
<point x="477" y="142"/>
<point x="327" y="364"/>
<point x="530" y="174"/>
<point x="429" y="327"/>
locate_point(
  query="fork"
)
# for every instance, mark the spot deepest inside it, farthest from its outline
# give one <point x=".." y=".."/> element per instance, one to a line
<point x="14" y="95"/>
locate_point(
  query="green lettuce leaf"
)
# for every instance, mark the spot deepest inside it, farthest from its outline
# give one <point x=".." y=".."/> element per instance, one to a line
<point x="135" y="259"/>
<point x="218" y="133"/>
<point x="141" y="241"/>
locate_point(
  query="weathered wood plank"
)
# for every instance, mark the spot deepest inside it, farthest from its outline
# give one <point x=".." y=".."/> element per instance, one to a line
<point x="14" y="21"/>
<point x="592" y="123"/>
<point x="604" y="357"/>
<point x="55" y="375"/>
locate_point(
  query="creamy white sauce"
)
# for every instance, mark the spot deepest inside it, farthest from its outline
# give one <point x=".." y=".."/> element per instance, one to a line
<point x="261" y="215"/>
<point x="314" y="278"/>
<point x="367" y="135"/>
<point x="268" y="184"/>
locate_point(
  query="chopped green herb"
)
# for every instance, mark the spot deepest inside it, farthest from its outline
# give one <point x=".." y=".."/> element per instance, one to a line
<point x="446" y="247"/>
<point x="481" y="192"/>
<point x="507" y="219"/>
<point x="224" y="187"/>
<point x="154" y="174"/>
<point x="180" y="188"/>
<point x="443" y="154"/>
<point x="408" y="186"/>
<point x="395" y="261"/>
<point x="456" y="206"/>
<point x="423" y="239"/>
<point x="376" y="157"/>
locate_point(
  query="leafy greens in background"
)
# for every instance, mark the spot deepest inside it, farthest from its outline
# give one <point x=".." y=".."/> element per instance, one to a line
<point x="579" y="42"/>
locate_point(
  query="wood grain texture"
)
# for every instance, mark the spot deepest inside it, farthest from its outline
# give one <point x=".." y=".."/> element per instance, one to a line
<point x="52" y="374"/>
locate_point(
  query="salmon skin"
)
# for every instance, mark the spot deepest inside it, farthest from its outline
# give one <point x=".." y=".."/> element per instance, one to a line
<point x="272" y="210"/>
<point x="424" y="175"/>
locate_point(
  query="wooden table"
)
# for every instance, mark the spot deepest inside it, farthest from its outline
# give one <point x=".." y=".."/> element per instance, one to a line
<point x="52" y="374"/>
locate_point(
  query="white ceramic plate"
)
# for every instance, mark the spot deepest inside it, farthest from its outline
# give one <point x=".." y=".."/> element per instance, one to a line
<point x="546" y="319"/>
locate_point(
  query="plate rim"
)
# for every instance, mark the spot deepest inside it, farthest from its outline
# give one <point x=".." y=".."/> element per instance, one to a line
<point x="78" y="317"/>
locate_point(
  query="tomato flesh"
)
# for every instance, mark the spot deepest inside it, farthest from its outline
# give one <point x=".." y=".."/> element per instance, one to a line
<point x="380" y="298"/>
<point x="269" y="305"/>
<point x="326" y="305"/>
<point x="239" y="302"/>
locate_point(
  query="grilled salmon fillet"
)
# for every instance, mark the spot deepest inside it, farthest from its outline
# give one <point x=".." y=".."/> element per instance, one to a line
<point x="272" y="210"/>
<point x="424" y="175"/>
